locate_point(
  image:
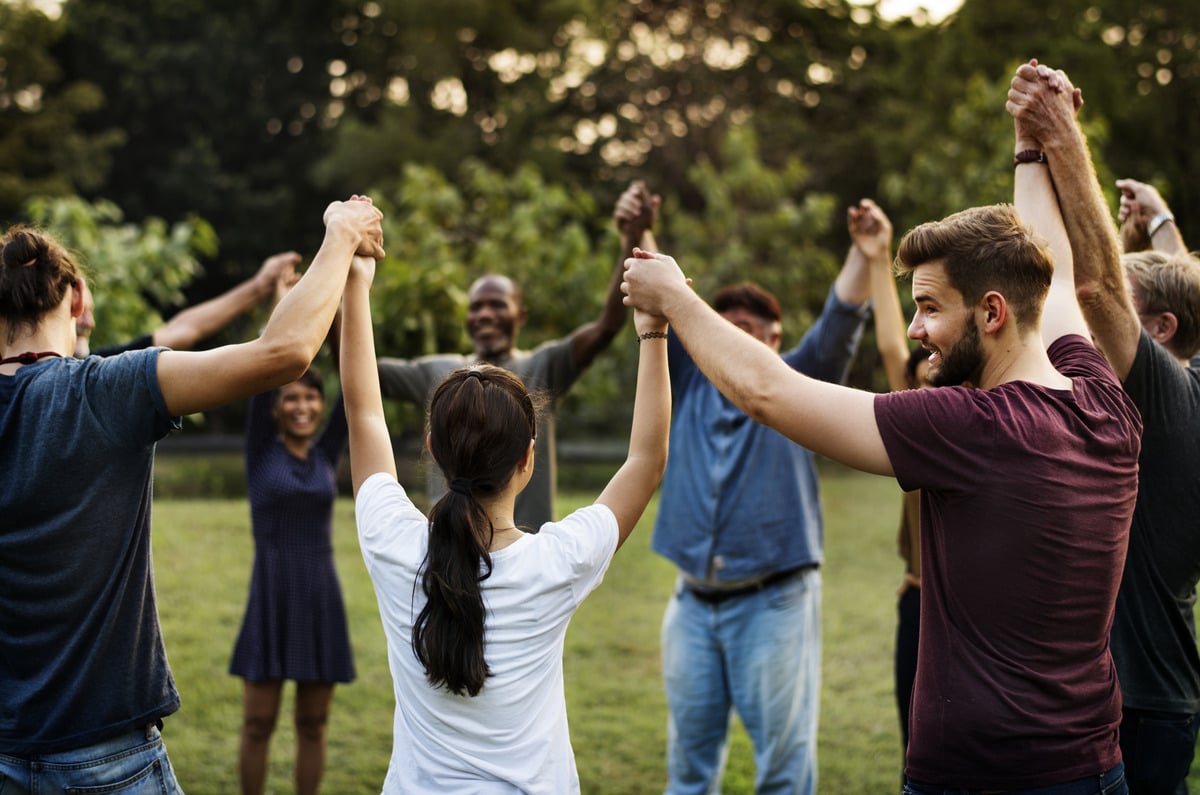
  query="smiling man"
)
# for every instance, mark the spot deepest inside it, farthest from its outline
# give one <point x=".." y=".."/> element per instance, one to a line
<point x="1028" y="482"/>
<point x="495" y="313"/>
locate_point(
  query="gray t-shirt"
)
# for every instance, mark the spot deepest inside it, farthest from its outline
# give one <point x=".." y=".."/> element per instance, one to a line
<point x="1154" y="634"/>
<point x="548" y="371"/>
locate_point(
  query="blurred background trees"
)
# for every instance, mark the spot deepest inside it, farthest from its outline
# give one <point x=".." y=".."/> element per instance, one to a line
<point x="497" y="135"/>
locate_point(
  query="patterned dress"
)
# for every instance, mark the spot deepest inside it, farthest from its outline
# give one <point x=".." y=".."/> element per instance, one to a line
<point x="295" y="622"/>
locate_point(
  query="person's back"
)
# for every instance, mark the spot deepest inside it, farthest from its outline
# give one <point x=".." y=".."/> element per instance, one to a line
<point x="61" y="688"/>
<point x="83" y="673"/>
<point x="512" y="736"/>
<point x="474" y="609"/>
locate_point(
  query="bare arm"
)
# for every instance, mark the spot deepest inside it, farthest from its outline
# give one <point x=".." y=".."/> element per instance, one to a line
<point x="871" y="231"/>
<point x="1145" y="217"/>
<point x="195" y="323"/>
<point x="370" y="442"/>
<point x="630" y="490"/>
<point x="831" y="420"/>
<point x="1038" y="205"/>
<point x="634" y="215"/>
<point x="194" y="381"/>
<point x="1043" y="102"/>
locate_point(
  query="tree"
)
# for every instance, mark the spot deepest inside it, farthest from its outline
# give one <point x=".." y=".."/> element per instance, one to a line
<point x="43" y="151"/>
<point x="136" y="271"/>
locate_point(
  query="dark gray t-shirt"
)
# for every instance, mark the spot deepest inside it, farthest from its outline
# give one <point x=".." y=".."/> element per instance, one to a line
<point x="1154" y="635"/>
<point x="548" y="370"/>
<point x="81" y="654"/>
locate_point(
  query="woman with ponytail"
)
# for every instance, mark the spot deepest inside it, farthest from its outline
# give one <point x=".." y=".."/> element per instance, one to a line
<point x="84" y="681"/>
<point x="475" y="610"/>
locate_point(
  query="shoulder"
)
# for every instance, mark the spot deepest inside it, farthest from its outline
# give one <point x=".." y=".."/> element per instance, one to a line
<point x="381" y="504"/>
<point x="1076" y="357"/>
<point x="588" y="533"/>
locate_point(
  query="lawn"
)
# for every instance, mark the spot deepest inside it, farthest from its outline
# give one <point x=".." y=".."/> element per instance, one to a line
<point x="203" y="553"/>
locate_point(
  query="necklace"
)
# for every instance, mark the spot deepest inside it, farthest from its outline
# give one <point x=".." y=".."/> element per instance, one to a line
<point x="28" y="357"/>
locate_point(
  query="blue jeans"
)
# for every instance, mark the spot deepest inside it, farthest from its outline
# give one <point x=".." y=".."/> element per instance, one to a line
<point x="1111" y="782"/>
<point x="1158" y="749"/>
<point x="759" y="654"/>
<point x="132" y="763"/>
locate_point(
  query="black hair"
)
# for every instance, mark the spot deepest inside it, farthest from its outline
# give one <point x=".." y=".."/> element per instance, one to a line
<point x="481" y="421"/>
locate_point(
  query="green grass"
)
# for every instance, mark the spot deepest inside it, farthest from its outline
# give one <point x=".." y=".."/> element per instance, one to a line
<point x="617" y="710"/>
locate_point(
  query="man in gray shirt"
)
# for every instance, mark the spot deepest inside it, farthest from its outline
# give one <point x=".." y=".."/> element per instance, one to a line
<point x="495" y="313"/>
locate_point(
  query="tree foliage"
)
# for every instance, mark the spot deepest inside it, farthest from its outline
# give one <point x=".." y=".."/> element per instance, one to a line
<point x="497" y="133"/>
<point x="136" y="270"/>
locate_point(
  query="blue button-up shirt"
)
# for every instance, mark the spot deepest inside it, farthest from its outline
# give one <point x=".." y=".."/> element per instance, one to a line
<point x="739" y="500"/>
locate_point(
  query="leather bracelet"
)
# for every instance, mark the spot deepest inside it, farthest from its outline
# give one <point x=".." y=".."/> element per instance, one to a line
<point x="652" y="335"/>
<point x="1157" y="222"/>
<point x="1029" y="156"/>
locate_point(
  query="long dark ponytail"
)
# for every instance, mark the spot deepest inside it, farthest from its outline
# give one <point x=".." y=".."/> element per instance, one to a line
<point x="481" y="420"/>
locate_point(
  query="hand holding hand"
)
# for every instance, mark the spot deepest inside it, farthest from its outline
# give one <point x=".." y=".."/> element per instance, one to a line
<point x="651" y="281"/>
<point x="636" y="211"/>
<point x="1043" y="104"/>
<point x="360" y="218"/>
<point x="362" y="269"/>
<point x="870" y="230"/>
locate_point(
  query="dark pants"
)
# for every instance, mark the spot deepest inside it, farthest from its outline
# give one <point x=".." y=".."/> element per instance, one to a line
<point x="1158" y="749"/>
<point x="1111" y="782"/>
<point x="908" y="630"/>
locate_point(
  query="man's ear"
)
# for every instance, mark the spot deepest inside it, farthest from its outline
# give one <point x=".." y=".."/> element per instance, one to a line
<point x="1163" y="327"/>
<point x="77" y="299"/>
<point x="993" y="311"/>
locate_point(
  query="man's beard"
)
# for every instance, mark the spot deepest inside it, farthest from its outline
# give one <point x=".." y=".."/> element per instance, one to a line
<point x="963" y="363"/>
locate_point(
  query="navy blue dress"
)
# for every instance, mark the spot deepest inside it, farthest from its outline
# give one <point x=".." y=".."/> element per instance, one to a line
<point x="295" y="622"/>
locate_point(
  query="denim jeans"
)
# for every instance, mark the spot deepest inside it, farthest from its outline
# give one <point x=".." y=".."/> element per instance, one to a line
<point x="132" y="763"/>
<point x="1158" y="749"/>
<point x="759" y="654"/>
<point x="1111" y="782"/>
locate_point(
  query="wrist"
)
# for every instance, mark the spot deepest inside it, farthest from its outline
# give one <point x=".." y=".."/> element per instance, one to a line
<point x="1029" y="155"/>
<point x="651" y="335"/>
<point x="1160" y="219"/>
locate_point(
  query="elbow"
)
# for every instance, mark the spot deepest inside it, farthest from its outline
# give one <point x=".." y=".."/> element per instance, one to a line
<point x="756" y="399"/>
<point x="287" y="360"/>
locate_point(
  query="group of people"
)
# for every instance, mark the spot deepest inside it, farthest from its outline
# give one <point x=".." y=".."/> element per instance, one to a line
<point x="1051" y="477"/>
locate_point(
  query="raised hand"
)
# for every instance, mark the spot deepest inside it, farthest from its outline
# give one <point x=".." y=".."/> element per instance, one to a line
<point x="363" y="220"/>
<point x="1043" y="104"/>
<point x="636" y="211"/>
<point x="650" y="281"/>
<point x="870" y="230"/>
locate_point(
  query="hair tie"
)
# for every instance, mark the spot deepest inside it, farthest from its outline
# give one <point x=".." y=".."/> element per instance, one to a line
<point x="461" y="486"/>
<point x="475" y="374"/>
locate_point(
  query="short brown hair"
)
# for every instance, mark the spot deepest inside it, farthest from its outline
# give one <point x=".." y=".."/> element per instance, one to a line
<point x="1169" y="283"/>
<point x="749" y="296"/>
<point x="982" y="249"/>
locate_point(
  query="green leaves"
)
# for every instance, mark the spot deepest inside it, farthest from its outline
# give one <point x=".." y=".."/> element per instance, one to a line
<point x="135" y="270"/>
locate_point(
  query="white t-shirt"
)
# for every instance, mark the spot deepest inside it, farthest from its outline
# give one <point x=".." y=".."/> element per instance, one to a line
<point x="513" y="736"/>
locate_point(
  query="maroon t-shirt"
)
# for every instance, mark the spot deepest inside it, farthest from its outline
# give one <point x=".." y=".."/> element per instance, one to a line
<point x="1027" y="494"/>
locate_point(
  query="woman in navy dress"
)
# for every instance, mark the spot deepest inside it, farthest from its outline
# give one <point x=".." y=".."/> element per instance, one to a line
<point x="295" y="622"/>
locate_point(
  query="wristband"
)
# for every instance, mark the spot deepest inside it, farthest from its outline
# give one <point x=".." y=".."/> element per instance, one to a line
<point x="1029" y="156"/>
<point x="652" y="335"/>
<point x="1157" y="222"/>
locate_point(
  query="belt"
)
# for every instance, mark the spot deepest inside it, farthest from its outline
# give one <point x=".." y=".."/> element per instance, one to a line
<point x="716" y="597"/>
